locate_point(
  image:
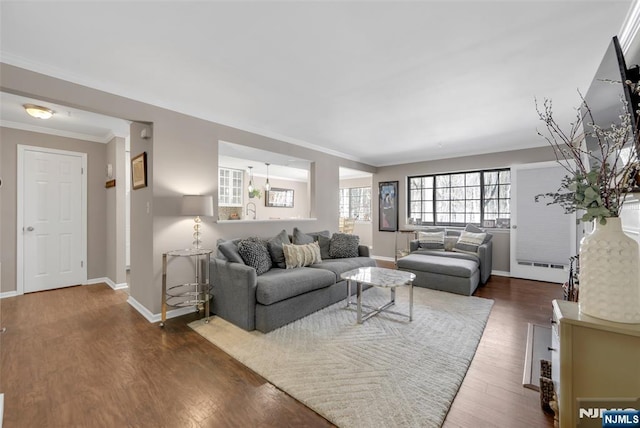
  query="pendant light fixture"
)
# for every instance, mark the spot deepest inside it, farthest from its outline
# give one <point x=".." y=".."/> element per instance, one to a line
<point x="250" y="187"/>
<point x="267" y="186"/>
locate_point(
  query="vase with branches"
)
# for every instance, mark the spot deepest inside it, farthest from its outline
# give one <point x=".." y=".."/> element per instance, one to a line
<point x="597" y="180"/>
<point x="599" y="176"/>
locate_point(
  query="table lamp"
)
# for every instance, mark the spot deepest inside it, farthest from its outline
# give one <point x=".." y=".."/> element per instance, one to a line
<point x="197" y="205"/>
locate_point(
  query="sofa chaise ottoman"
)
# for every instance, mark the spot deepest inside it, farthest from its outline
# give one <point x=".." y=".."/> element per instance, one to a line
<point x="450" y="260"/>
<point x="455" y="274"/>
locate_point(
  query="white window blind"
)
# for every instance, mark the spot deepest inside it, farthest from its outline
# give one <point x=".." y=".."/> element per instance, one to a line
<point x="542" y="235"/>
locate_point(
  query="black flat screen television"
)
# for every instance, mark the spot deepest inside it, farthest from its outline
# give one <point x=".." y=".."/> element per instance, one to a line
<point x="605" y="94"/>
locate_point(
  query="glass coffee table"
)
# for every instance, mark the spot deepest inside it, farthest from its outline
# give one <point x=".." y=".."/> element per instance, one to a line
<point x="381" y="278"/>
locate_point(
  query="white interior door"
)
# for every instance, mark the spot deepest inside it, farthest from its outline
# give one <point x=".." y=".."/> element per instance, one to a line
<point x="51" y="219"/>
<point x="543" y="238"/>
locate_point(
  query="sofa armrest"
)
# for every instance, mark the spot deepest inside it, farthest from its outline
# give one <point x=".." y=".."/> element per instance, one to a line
<point x="485" y="252"/>
<point x="234" y="292"/>
<point x="363" y="251"/>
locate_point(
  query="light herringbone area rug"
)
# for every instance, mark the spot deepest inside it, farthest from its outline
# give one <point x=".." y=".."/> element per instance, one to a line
<point x="386" y="372"/>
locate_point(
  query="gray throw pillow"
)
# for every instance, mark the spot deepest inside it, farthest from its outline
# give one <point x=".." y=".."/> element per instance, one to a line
<point x="344" y="245"/>
<point x="255" y="254"/>
<point x="301" y="238"/>
<point x="276" y="250"/>
<point x="229" y="249"/>
<point x="475" y="229"/>
<point x="325" y="245"/>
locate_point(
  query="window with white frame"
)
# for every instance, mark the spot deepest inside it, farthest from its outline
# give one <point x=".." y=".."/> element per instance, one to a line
<point x="478" y="197"/>
<point x="230" y="187"/>
<point x="355" y="202"/>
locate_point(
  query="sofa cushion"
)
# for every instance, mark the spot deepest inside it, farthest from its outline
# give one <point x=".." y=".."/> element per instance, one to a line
<point x="325" y="244"/>
<point x="340" y="266"/>
<point x="299" y="237"/>
<point x="431" y="240"/>
<point x="452" y="266"/>
<point x="344" y="245"/>
<point x="297" y="256"/>
<point x="280" y="284"/>
<point x="275" y="248"/>
<point x="229" y="250"/>
<point x="255" y="254"/>
<point x="475" y="229"/>
<point x="468" y="242"/>
<point x="450" y="242"/>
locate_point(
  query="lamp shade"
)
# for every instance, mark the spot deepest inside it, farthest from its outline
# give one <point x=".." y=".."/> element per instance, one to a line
<point x="197" y="205"/>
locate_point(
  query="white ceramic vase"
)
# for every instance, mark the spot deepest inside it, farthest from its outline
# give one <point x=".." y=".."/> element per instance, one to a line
<point x="609" y="274"/>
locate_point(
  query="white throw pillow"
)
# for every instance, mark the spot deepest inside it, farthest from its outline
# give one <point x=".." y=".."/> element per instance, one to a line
<point x="468" y="242"/>
<point x="301" y="255"/>
<point x="431" y="240"/>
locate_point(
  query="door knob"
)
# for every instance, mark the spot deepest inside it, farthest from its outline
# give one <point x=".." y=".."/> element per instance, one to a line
<point x="30" y="229"/>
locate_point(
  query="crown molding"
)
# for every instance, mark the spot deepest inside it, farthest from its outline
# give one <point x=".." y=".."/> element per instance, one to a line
<point x="58" y="132"/>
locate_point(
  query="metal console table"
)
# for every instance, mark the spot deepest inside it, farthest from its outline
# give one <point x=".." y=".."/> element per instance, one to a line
<point x="191" y="293"/>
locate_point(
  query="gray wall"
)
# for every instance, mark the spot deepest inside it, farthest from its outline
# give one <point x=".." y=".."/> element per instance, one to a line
<point x="96" y="198"/>
<point x="300" y="199"/>
<point x="182" y="159"/>
<point x="383" y="242"/>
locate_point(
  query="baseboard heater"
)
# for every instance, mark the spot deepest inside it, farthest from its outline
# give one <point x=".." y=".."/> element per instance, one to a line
<point x="542" y="265"/>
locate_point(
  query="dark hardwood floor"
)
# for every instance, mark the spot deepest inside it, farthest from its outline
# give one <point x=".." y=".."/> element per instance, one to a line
<point x="81" y="356"/>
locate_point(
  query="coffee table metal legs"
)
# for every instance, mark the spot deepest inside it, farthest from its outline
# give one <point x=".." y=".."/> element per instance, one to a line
<point x="359" y="294"/>
<point x="410" y="301"/>
<point x="376" y="310"/>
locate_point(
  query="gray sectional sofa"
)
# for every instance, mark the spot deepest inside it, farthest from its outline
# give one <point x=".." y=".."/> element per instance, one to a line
<point x="447" y="270"/>
<point x="279" y="296"/>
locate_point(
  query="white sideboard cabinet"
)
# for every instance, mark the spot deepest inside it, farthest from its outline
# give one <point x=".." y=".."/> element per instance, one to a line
<point x="591" y="358"/>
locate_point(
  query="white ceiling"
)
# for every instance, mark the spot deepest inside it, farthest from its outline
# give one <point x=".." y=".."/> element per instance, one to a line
<point x="382" y="82"/>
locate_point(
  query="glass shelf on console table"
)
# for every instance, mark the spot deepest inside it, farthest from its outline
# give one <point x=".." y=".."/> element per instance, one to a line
<point x="191" y="293"/>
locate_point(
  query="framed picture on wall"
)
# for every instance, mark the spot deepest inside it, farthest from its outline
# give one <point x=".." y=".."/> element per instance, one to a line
<point x="388" y="206"/>
<point x="139" y="171"/>
<point x="278" y="198"/>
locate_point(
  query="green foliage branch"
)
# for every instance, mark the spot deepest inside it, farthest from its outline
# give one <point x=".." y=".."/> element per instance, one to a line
<point x="596" y="181"/>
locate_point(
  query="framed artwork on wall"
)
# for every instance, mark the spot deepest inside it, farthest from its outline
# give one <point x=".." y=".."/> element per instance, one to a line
<point x="388" y="206"/>
<point x="278" y="198"/>
<point x="139" y="171"/>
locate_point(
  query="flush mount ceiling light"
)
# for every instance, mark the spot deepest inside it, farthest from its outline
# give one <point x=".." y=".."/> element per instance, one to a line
<point x="38" y="112"/>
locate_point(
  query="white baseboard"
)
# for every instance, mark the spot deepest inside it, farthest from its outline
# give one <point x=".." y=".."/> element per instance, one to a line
<point x="8" y="294"/>
<point x="107" y="281"/>
<point x="153" y="318"/>
<point x="384" y="258"/>
<point x="500" y="273"/>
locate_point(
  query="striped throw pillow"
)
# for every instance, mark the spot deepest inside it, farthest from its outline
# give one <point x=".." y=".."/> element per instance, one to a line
<point x="468" y="242"/>
<point x="431" y="240"/>
<point x="296" y="256"/>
